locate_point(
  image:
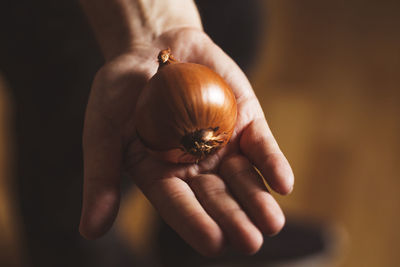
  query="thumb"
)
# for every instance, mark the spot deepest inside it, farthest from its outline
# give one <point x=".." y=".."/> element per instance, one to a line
<point x="102" y="152"/>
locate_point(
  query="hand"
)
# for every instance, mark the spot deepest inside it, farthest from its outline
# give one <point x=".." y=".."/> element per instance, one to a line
<point x="220" y="201"/>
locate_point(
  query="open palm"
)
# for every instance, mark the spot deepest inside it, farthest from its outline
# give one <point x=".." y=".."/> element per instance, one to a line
<point x="219" y="201"/>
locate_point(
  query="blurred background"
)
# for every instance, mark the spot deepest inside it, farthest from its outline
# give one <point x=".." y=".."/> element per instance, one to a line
<point x="327" y="74"/>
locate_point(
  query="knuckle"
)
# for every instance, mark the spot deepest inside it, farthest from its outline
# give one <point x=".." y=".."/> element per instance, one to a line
<point x="234" y="165"/>
<point x="235" y="160"/>
<point x="206" y="183"/>
<point x="258" y="199"/>
<point x="231" y="215"/>
<point x="248" y="172"/>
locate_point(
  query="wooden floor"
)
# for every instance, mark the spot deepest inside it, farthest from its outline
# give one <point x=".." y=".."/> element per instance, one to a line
<point x="329" y="82"/>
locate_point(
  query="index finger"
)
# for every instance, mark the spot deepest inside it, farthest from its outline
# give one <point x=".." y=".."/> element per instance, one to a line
<point x="260" y="147"/>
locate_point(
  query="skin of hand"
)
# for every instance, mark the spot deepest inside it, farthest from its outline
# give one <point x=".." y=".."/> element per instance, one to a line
<point x="220" y="201"/>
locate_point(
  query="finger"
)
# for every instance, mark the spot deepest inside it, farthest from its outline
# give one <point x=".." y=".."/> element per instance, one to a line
<point x="179" y="207"/>
<point x="238" y="228"/>
<point x="259" y="146"/>
<point x="102" y="171"/>
<point x="249" y="189"/>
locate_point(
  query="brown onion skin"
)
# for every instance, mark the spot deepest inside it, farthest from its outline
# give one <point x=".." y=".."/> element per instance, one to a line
<point x="180" y="99"/>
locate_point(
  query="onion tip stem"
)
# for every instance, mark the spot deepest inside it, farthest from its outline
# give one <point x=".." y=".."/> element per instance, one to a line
<point x="165" y="58"/>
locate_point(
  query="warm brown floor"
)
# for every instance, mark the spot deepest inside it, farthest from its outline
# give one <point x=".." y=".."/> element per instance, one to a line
<point x="329" y="83"/>
<point x="328" y="80"/>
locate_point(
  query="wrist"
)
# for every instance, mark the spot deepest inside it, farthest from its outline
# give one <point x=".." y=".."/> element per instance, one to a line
<point x="120" y="25"/>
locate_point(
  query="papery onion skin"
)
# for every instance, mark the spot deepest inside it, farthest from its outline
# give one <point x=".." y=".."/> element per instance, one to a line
<point x="186" y="112"/>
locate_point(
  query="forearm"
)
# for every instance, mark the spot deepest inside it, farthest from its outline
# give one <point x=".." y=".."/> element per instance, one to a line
<point x="121" y="24"/>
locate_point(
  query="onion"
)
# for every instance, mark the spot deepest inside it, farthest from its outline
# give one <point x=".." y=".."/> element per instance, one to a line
<point x="186" y="111"/>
